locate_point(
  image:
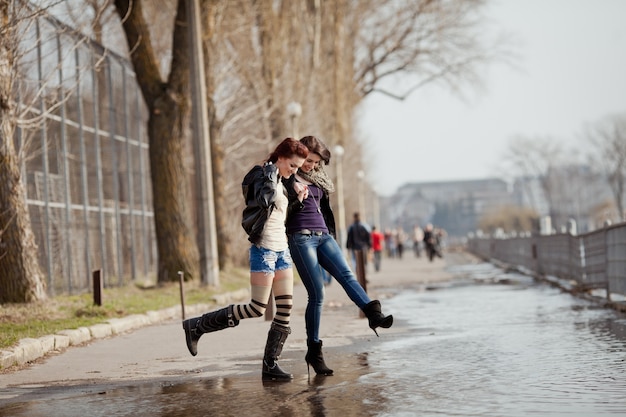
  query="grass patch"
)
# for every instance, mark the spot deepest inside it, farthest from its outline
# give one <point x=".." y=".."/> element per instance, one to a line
<point x="19" y="321"/>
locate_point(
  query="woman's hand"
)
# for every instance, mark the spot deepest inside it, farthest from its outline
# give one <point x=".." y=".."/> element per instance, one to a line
<point x="302" y="190"/>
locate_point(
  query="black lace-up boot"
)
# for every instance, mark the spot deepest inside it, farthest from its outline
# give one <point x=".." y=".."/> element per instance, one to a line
<point x="273" y="348"/>
<point x="207" y="323"/>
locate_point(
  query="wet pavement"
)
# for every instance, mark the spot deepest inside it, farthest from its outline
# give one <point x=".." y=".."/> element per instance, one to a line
<point x="499" y="344"/>
<point x="244" y="394"/>
<point x="487" y="343"/>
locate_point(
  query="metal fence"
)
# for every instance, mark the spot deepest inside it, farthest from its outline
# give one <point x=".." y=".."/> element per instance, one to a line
<point x="590" y="261"/>
<point x="86" y="163"/>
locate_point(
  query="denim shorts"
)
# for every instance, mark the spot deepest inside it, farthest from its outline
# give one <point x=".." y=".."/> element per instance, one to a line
<point x="269" y="261"/>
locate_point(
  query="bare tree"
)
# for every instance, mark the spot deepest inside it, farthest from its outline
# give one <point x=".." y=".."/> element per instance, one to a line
<point x="94" y="20"/>
<point x="252" y="56"/>
<point x="21" y="278"/>
<point x="369" y="46"/>
<point x="535" y="159"/>
<point x="426" y="41"/>
<point x="328" y="55"/>
<point x="609" y="138"/>
<point x="262" y="54"/>
<point x="169" y="107"/>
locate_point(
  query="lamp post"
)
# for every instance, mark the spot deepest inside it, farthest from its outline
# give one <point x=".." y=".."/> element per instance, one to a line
<point x="339" y="152"/>
<point x="207" y="234"/>
<point x="376" y="209"/>
<point x="294" y="111"/>
<point x="361" y="175"/>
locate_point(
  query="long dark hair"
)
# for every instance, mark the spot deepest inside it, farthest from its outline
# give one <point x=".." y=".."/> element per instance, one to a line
<point x="315" y="145"/>
<point x="287" y="149"/>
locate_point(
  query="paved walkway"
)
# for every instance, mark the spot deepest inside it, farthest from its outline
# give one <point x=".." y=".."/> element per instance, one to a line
<point x="158" y="350"/>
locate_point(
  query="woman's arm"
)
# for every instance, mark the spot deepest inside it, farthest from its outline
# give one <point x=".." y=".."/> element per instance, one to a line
<point x="295" y="194"/>
<point x="265" y="194"/>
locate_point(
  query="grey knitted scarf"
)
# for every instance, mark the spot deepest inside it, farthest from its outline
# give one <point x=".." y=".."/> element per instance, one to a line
<point x="320" y="178"/>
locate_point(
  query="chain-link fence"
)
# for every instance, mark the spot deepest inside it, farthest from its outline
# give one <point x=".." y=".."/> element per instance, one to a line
<point x="589" y="261"/>
<point x="86" y="163"/>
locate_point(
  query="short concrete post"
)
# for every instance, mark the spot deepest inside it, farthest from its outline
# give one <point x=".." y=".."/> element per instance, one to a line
<point x="97" y="287"/>
<point x="181" y="280"/>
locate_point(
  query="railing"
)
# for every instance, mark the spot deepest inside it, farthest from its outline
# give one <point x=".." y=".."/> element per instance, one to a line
<point x="596" y="260"/>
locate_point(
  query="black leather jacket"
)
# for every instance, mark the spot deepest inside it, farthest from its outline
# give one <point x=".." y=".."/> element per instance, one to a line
<point x="259" y="192"/>
<point x="296" y="205"/>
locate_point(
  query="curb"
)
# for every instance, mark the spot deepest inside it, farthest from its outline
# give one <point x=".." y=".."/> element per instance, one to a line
<point x="30" y="349"/>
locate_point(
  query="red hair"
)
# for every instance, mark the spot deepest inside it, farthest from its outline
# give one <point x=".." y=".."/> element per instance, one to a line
<point x="288" y="148"/>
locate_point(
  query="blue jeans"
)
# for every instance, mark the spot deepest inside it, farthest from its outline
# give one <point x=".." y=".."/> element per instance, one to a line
<point x="311" y="253"/>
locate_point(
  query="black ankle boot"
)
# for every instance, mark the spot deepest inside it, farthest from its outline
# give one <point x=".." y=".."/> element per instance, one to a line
<point x="273" y="348"/>
<point x="315" y="358"/>
<point x="207" y="323"/>
<point x="376" y="318"/>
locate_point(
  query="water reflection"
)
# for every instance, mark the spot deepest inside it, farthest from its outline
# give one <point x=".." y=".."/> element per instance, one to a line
<point x="343" y="393"/>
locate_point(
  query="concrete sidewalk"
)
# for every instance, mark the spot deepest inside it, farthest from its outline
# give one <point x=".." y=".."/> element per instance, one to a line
<point x="152" y="346"/>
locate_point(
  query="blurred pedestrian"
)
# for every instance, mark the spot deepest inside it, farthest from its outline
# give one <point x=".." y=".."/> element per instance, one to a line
<point x="390" y="243"/>
<point x="358" y="239"/>
<point x="432" y="242"/>
<point x="400" y="239"/>
<point x="377" y="247"/>
<point x="418" y="237"/>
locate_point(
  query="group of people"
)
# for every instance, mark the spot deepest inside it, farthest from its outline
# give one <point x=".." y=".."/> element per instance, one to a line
<point x="288" y="220"/>
<point x="394" y="240"/>
<point x="371" y="242"/>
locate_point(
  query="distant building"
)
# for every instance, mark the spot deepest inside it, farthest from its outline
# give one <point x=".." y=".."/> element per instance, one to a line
<point x="456" y="206"/>
<point x="570" y="193"/>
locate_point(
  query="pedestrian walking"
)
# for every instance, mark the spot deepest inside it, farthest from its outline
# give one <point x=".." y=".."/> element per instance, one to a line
<point x="377" y="247"/>
<point x="400" y="239"/>
<point x="418" y="236"/>
<point x="432" y="242"/>
<point x="270" y="261"/>
<point x="311" y="231"/>
<point x="359" y="239"/>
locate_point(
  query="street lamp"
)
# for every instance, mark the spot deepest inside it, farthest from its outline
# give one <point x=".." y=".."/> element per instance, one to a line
<point x="376" y="216"/>
<point x="361" y="175"/>
<point x="339" y="152"/>
<point x="294" y="111"/>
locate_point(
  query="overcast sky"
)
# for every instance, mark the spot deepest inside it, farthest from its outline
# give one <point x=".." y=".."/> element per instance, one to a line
<point x="572" y="73"/>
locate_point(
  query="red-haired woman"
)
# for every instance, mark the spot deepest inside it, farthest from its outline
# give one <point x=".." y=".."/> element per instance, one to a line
<point x="270" y="261"/>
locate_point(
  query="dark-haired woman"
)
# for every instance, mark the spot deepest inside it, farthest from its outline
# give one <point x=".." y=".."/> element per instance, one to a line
<point x="270" y="261"/>
<point x="310" y="230"/>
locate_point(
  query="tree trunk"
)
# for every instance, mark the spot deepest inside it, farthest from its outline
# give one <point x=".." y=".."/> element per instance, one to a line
<point x="168" y="103"/>
<point x="176" y="243"/>
<point x="21" y="278"/>
<point x="224" y="239"/>
<point x="271" y="29"/>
